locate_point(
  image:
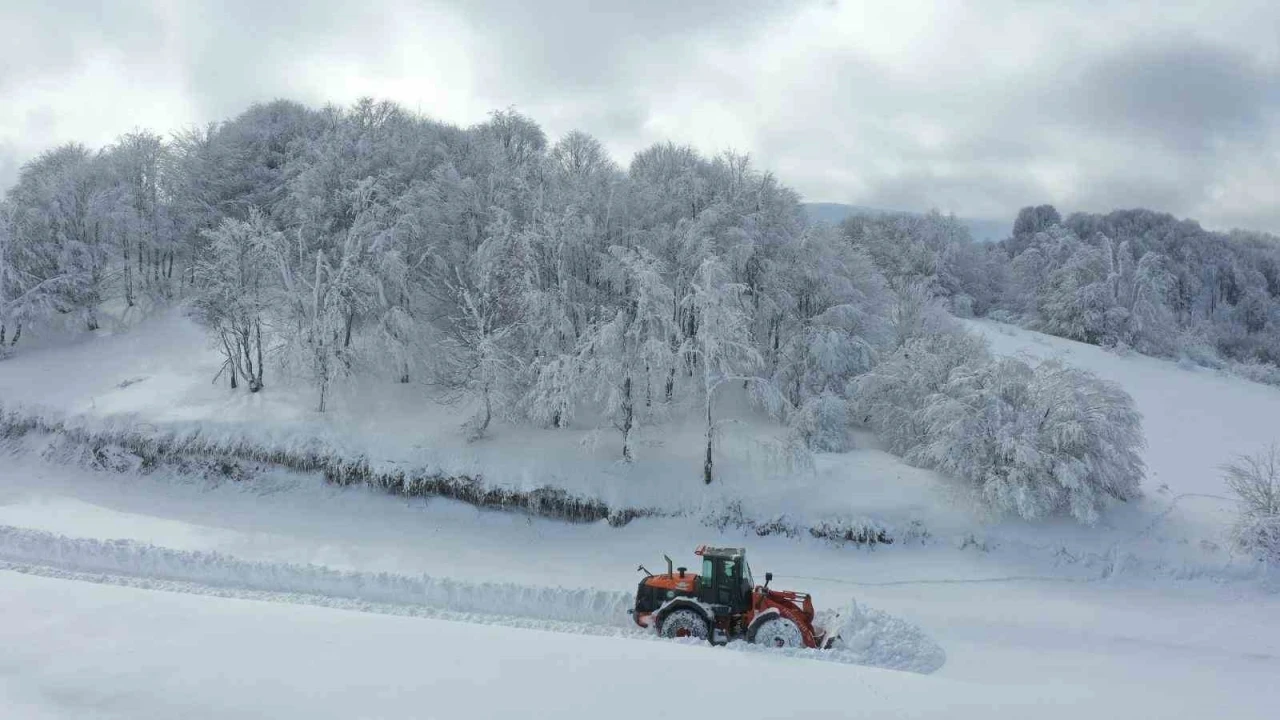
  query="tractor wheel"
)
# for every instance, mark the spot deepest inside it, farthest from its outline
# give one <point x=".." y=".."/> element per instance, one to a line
<point x="777" y="632"/>
<point x="683" y="623"/>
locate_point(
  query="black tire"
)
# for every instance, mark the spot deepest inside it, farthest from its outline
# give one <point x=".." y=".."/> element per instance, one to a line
<point x="776" y="631"/>
<point x="684" y="622"/>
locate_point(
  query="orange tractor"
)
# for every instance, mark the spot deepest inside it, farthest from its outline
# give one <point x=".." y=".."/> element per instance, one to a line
<point x="724" y="603"/>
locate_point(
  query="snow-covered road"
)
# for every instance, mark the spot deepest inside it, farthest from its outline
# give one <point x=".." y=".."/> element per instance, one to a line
<point x="80" y="650"/>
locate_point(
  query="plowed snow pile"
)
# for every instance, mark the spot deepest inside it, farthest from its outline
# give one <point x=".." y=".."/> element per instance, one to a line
<point x="873" y="637"/>
<point x="140" y="560"/>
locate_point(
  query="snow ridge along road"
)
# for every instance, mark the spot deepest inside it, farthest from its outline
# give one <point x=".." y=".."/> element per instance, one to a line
<point x="874" y="638"/>
<point x="215" y="570"/>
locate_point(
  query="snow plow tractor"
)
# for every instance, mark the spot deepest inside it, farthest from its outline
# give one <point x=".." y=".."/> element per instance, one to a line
<point x="723" y="603"/>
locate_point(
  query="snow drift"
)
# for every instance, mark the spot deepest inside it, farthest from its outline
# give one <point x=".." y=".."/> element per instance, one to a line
<point x="125" y="557"/>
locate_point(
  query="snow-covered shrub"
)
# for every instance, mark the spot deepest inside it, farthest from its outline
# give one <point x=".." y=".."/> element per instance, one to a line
<point x="1195" y="346"/>
<point x="1032" y="441"/>
<point x="1036" y="441"/>
<point x="1255" y="371"/>
<point x="1004" y="316"/>
<point x="856" y="530"/>
<point x="823" y="423"/>
<point x="1255" y="480"/>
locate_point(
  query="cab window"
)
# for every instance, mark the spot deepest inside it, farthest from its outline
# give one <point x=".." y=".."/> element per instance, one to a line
<point x="708" y="570"/>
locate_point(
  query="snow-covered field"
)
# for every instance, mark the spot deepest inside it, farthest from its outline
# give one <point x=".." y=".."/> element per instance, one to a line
<point x="285" y="597"/>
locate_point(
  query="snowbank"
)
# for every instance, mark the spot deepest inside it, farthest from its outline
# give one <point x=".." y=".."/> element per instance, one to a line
<point x="124" y="557"/>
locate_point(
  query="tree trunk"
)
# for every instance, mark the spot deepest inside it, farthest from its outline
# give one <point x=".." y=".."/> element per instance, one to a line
<point x="257" y="327"/>
<point x="648" y="387"/>
<point x="488" y="414"/>
<point x="628" y="415"/>
<point x="17" y="333"/>
<point x="706" y="465"/>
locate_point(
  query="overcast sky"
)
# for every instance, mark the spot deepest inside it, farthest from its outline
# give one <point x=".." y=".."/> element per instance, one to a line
<point x="977" y="108"/>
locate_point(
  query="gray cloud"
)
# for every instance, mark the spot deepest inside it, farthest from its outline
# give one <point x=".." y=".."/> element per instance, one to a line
<point x="976" y="109"/>
<point x="1187" y="94"/>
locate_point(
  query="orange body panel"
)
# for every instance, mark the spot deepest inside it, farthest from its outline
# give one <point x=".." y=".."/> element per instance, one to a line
<point x="686" y="584"/>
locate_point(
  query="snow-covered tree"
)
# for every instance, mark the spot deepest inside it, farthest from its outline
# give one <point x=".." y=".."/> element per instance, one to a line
<point x="235" y="293"/>
<point x="721" y="347"/>
<point x="624" y="358"/>
<point x="147" y="245"/>
<point x="485" y="300"/>
<point x="328" y="287"/>
<point x="892" y="397"/>
<point x="59" y="254"/>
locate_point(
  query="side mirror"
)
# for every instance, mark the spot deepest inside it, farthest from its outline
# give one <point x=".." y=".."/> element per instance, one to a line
<point x="768" y="578"/>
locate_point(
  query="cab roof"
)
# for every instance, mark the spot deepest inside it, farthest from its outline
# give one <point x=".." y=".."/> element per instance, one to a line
<point x="730" y="553"/>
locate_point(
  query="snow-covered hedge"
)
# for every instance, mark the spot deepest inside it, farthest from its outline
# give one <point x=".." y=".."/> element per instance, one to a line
<point x="838" y="531"/>
<point x="126" y="447"/>
<point x="1031" y="440"/>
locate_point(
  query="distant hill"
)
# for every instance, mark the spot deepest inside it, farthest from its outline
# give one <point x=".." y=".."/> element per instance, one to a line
<point x="981" y="229"/>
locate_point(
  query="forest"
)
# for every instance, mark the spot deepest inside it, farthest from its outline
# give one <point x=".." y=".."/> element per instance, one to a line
<point x="539" y="282"/>
<point x="1133" y="280"/>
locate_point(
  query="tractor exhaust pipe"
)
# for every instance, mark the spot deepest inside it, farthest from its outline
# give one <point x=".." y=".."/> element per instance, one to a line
<point x="670" y="569"/>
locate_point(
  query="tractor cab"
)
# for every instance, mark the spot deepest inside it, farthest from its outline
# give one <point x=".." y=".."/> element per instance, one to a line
<point x="725" y="580"/>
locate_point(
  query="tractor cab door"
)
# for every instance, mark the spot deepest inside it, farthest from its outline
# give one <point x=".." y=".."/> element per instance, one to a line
<point x="724" y="583"/>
